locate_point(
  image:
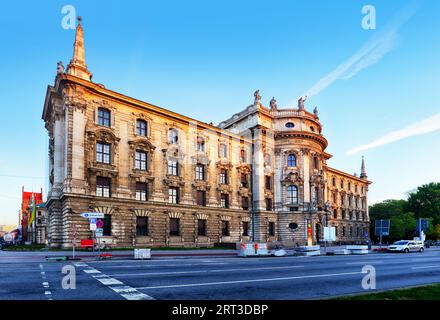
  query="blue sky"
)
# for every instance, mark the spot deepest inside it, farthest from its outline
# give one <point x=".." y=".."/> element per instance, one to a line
<point x="205" y="59"/>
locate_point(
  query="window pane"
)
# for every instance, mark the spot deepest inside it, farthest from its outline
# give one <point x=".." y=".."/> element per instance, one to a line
<point x="107" y="230"/>
<point x="201" y="226"/>
<point x="174" y="226"/>
<point x="142" y="226"/>
<point x="225" y="228"/>
<point x="141" y="128"/>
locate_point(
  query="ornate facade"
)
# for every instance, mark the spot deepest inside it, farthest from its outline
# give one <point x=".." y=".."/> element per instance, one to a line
<point x="163" y="179"/>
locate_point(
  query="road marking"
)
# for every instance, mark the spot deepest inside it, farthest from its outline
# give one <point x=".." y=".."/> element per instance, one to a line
<point x="45" y="284"/>
<point x="365" y="262"/>
<point x="426" y="267"/>
<point x="249" y="281"/>
<point x="117" y="286"/>
<point x="200" y="271"/>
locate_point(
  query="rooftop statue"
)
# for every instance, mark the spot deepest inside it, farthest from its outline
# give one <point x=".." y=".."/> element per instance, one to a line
<point x="257" y="97"/>
<point x="273" y="104"/>
<point x="60" y="67"/>
<point x="301" y="103"/>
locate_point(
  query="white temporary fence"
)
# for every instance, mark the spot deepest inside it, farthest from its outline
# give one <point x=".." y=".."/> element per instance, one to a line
<point x="142" y="254"/>
<point x="253" y="249"/>
<point x="360" y="249"/>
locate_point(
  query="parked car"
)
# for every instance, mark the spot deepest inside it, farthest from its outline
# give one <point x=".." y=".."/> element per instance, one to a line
<point x="407" y="246"/>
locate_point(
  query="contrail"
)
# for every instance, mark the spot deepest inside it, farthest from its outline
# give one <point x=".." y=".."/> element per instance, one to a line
<point x="369" y="54"/>
<point x="428" y="125"/>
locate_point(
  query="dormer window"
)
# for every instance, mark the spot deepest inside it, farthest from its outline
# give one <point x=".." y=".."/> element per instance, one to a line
<point x="104" y="117"/>
<point x="312" y="129"/>
<point x="141" y="127"/>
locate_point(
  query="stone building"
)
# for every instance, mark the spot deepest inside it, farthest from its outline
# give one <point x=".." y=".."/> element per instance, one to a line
<point x="163" y="179"/>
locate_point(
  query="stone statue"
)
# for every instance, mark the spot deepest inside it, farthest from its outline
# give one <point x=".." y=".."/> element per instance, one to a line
<point x="60" y="67"/>
<point x="273" y="104"/>
<point x="315" y="111"/>
<point x="301" y="103"/>
<point x="257" y="97"/>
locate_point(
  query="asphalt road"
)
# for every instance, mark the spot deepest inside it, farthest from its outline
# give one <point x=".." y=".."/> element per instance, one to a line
<point x="217" y="278"/>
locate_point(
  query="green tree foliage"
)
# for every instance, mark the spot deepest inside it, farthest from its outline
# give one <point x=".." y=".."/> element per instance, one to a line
<point x="403" y="214"/>
<point x="425" y="202"/>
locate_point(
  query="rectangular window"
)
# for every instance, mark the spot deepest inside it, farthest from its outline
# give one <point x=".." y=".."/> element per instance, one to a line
<point x="343" y="231"/>
<point x="224" y="201"/>
<point x="200" y="144"/>
<point x="245" y="203"/>
<point x="103" y="187"/>
<point x="243" y="155"/>
<point x="225" y="228"/>
<point x="351" y="231"/>
<point x="223" y="151"/>
<point x="200" y="172"/>
<point x="102" y="152"/>
<point x="104" y="117"/>
<point x="271" y="229"/>
<point x="201" y="198"/>
<point x="201" y="228"/>
<point x="268" y="182"/>
<point x="174" y="226"/>
<point x="140" y="161"/>
<point x="141" y="191"/>
<point x="107" y="230"/>
<point x="269" y="204"/>
<point x="245" y="228"/>
<point x="244" y="180"/>
<point x="173" y="167"/>
<point x="142" y="226"/>
<point x="173" y="195"/>
<point x="223" y="177"/>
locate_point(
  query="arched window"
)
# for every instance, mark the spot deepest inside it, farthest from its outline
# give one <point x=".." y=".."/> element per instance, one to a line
<point x="291" y="160"/>
<point x="103" y="117"/>
<point x="173" y="136"/>
<point x="141" y="127"/>
<point x="290" y="125"/>
<point x="292" y="194"/>
<point x="334" y="182"/>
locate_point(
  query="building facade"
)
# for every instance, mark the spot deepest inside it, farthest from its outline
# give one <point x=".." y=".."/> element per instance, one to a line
<point x="163" y="179"/>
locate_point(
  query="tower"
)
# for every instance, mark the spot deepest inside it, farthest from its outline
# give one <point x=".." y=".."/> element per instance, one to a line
<point x="363" y="171"/>
<point x="77" y="66"/>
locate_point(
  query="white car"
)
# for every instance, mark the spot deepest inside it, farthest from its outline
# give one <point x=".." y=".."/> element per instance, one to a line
<point x="407" y="246"/>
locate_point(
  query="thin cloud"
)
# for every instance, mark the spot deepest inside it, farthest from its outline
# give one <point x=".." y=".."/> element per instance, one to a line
<point x="425" y="126"/>
<point x="369" y="54"/>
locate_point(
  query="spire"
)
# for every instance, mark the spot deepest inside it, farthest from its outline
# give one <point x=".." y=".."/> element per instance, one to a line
<point x="363" y="171"/>
<point x="77" y="66"/>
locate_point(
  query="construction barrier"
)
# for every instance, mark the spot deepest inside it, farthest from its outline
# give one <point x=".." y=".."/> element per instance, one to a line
<point x="308" y="251"/>
<point x="253" y="249"/>
<point x="142" y="254"/>
<point x="357" y="249"/>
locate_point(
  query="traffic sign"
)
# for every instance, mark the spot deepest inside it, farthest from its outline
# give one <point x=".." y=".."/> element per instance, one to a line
<point x="92" y="221"/>
<point x="99" y="232"/>
<point x="92" y="227"/>
<point x="100" y="223"/>
<point x="90" y="215"/>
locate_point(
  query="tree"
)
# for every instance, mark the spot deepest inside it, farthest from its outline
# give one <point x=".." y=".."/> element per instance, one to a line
<point x="386" y="209"/>
<point x="425" y="202"/>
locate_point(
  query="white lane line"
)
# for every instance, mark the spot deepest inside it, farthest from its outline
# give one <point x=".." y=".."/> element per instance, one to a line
<point x="426" y="267"/>
<point x="91" y="271"/>
<point x="45" y="284"/>
<point x="117" y="286"/>
<point x="365" y="262"/>
<point x="201" y="271"/>
<point x="249" y="281"/>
